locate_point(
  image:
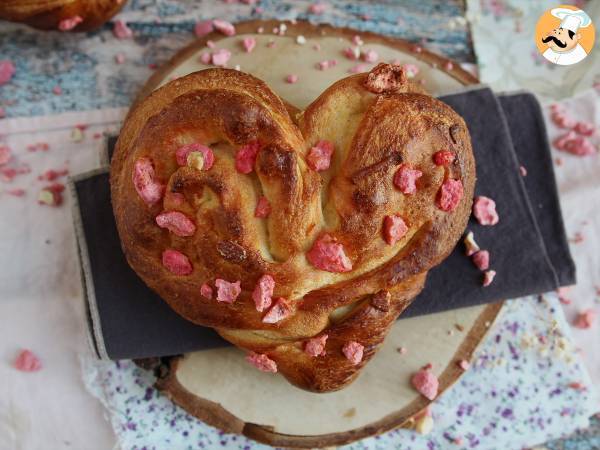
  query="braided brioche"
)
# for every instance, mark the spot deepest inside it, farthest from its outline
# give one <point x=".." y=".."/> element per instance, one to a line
<point x="298" y="239"/>
<point x="66" y="15"/>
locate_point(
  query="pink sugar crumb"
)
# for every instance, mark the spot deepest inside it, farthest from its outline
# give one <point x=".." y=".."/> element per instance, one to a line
<point x="121" y="30"/>
<point x="585" y="128"/>
<point x="205" y="58"/>
<point x="177" y="223"/>
<point x="426" y="383"/>
<point x="523" y="171"/>
<point x="5" y="155"/>
<point x="317" y="8"/>
<point x="27" y="361"/>
<point x="319" y="156"/>
<point x="210" y="44"/>
<point x="176" y="262"/>
<point x="450" y="195"/>
<point x="561" y="119"/>
<point x="57" y="90"/>
<point x="7" y="71"/>
<point x="51" y="195"/>
<point x="464" y="364"/>
<point x="227" y="292"/>
<point x="281" y="310"/>
<point x="221" y="57"/>
<point x="119" y="58"/>
<point x="224" y="27"/>
<point x="206" y="291"/>
<point x="316" y="346"/>
<point x="394" y="229"/>
<point x="263" y="208"/>
<point x="402" y="350"/>
<point x="481" y="259"/>
<point x="370" y="56"/>
<point x="574" y="144"/>
<point x="327" y="64"/>
<point x="484" y="210"/>
<point x="291" y="78"/>
<point x="406" y="178"/>
<point x="263" y="292"/>
<point x="249" y="43"/>
<point x="585" y="319"/>
<point x="488" y="277"/>
<point x="262" y="362"/>
<point x="328" y="254"/>
<point x="51" y="174"/>
<point x="352" y="53"/>
<point x="144" y="180"/>
<point x="357" y="40"/>
<point x="448" y="65"/>
<point x="69" y="23"/>
<point x="246" y="157"/>
<point x="203" y="28"/>
<point x="16" y="192"/>
<point x="577" y="385"/>
<point x="411" y="70"/>
<point x="353" y="351"/>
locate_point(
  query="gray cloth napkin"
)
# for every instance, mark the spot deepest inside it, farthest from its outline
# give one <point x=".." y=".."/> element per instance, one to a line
<point x="528" y="246"/>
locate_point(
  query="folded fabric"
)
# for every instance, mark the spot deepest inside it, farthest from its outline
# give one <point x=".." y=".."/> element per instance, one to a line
<point x="528" y="246"/>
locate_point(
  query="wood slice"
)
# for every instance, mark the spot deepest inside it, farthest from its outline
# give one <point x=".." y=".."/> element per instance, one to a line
<point x="218" y="386"/>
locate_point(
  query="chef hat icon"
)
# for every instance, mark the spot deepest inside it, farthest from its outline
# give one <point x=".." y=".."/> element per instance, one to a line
<point x="571" y="19"/>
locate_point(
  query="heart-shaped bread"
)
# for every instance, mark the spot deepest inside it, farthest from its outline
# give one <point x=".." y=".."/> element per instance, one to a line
<point x="300" y="239"/>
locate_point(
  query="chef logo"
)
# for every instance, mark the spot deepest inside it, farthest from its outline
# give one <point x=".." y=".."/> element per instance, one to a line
<point x="565" y="35"/>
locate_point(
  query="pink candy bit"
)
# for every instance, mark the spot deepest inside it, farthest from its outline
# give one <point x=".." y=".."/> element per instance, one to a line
<point x="577" y="385"/>
<point x="291" y="78"/>
<point x="585" y="319"/>
<point x="471" y="246"/>
<point x="352" y="53"/>
<point x="57" y="90"/>
<point x="227" y="292"/>
<point x="119" y="58"/>
<point x="224" y="27"/>
<point x="463" y="364"/>
<point x="51" y="195"/>
<point x="246" y="157"/>
<point x="69" y="23"/>
<point x="561" y="119"/>
<point x="584" y="128"/>
<point x="210" y="44"/>
<point x="426" y="383"/>
<point x="177" y="223"/>
<point x="357" y="40"/>
<point x="523" y="171"/>
<point x="327" y="64"/>
<point x="370" y="56"/>
<point x="316" y="346"/>
<point x="5" y="155"/>
<point x="394" y="229"/>
<point x="563" y="292"/>
<point x="51" y="174"/>
<point x="249" y="43"/>
<point x="279" y="311"/>
<point x="121" y="30"/>
<point x="203" y="28"/>
<point x="481" y="259"/>
<point x="182" y="153"/>
<point x="353" y="351"/>
<point x="405" y="179"/>
<point x="484" y="210"/>
<point x="263" y="292"/>
<point x="443" y="158"/>
<point x="176" y="262"/>
<point x="575" y="144"/>
<point x="7" y="70"/>
<point x="27" y="361"/>
<point x="488" y="277"/>
<point x="206" y="291"/>
<point x="317" y="8"/>
<point x="262" y="362"/>
<point x="16" y="192"/>
<point x="263" y="208"/>
<point x="327" y="254"/>
<point x="221" y="57"/>
<point x="319" y="156"/>
<point x="147" y="187"/>
<point x="359" y="68"/>
<point x="205" y="58"/>
<point x="448" y="65"/>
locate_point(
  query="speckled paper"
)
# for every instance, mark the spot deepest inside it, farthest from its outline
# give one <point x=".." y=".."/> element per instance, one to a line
<point x="515" y="395"/>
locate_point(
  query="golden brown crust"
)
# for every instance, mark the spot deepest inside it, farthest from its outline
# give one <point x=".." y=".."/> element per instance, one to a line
<point x="373" y="135"/>
<point x="47" y="14"/>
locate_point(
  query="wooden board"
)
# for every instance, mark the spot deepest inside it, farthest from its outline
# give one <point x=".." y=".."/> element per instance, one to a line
<point x="218" y="386"/>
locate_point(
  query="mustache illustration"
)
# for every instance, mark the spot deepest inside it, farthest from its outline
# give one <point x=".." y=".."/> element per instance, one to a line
<point x="556" y="41"/>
